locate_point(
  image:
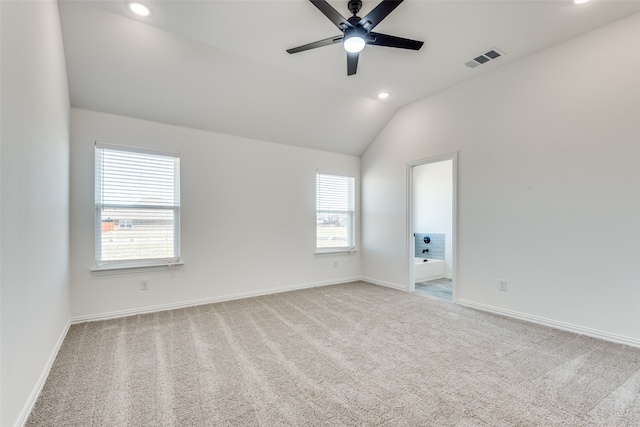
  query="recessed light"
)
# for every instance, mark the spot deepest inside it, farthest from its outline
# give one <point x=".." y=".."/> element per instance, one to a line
<point x="139" y="9"/>
<point x="383" y="95"/>
<point x="580" y="1"/>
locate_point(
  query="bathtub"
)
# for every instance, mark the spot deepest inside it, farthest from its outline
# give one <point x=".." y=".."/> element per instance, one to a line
<point x="430" y="270"/>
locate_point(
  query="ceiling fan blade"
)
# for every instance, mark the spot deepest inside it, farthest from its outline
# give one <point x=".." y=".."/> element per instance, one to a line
<point x="380" y="12"/>
<point x="352" y="63"/>
<point x="319" y="43"/>
<point x="333" y="15"/>
<point x="393" y="41"/>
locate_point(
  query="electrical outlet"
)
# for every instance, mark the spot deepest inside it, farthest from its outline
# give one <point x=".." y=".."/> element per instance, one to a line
<point x="502" y="285"/>
<point x="144" y="284"/>
<point x="335" y="264"/>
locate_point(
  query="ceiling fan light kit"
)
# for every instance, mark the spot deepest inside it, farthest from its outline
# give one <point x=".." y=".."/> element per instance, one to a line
<point x="353" y="42"/>
<point x="356" y="31"/>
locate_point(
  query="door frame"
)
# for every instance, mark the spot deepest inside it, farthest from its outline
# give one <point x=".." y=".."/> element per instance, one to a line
<point x="454" y="220"/>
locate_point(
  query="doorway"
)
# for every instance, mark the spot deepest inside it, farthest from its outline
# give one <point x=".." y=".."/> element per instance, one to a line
<point x="432" y="226"/>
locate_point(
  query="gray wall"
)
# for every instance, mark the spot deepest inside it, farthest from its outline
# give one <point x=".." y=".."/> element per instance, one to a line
<point x="34" y="276"/>
<point x="548" y="176"/>
<point x="247" y="218"/>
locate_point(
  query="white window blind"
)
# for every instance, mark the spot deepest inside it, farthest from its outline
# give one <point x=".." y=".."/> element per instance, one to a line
<point x="335" y="212"/>
<point x="137" y="206"/>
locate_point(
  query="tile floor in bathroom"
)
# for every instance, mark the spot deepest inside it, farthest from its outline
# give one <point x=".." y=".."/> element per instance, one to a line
<point x="440" y="288"/>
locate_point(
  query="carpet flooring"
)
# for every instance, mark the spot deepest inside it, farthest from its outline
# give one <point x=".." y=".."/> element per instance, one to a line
<point x="354" y="354"/>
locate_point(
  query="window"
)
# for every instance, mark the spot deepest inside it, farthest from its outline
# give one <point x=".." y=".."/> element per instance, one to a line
<point x="335" y="213"/>
<point x="137" y="207"/>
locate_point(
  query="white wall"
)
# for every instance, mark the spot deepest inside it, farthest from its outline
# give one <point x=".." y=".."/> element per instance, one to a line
<point x="34" y="199"/>
<point x="433" y="204"/>
<point x="247" y="219"/>
<point x="548" y="184"/>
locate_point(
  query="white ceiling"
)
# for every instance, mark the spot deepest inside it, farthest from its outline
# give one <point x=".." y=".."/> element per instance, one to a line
<point x="222" y="65"/>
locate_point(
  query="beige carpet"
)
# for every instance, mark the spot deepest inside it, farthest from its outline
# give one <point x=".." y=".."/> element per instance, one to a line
<point x="344" y="355"/>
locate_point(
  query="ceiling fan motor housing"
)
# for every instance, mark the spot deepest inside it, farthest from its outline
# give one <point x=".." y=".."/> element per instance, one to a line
<point x="354" y="6"/>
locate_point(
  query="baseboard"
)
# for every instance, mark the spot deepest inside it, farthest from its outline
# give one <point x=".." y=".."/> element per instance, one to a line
<point x="203" y="301"/>
<point x="37" y="389"/>
<point x="383" y="283"/>
<point x="620" y="339"/>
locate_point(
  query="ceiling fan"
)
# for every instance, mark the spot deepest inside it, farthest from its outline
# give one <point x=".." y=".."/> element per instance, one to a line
<point x="356" y="31"/>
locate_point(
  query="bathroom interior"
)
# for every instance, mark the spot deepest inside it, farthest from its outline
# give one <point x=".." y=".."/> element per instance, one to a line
<point x="433" y="228"/>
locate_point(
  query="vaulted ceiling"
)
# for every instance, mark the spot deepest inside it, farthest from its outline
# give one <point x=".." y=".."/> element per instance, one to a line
<point x="222" y="65"/>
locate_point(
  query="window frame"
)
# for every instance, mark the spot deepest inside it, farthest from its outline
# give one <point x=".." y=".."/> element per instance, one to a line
<point x="351" y="245"/>
<point x="108" y="265"/>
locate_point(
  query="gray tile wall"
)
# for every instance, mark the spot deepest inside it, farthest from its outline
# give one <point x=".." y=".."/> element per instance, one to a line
<point x="436" y="246"/>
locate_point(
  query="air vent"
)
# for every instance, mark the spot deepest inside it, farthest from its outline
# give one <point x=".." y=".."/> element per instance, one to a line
<point x="484" y="58"/>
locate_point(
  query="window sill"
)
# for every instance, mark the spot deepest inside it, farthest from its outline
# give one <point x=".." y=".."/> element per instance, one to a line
<point x="135" y="268"/>
<point x="333" y="251"/>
